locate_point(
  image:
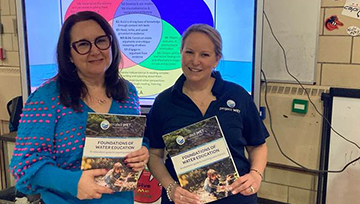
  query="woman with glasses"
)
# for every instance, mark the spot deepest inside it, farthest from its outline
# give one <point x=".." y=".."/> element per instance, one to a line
<point x="50" y="139"/>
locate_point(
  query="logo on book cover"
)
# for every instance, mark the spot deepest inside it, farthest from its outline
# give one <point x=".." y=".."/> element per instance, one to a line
<point x="230" y="103"/>
<point x="105" y="125"/>
<point x="180" y="140"/>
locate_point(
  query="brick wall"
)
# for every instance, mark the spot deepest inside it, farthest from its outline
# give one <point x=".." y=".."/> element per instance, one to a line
<point x="10" y="85"/>
<point x="338" y="66"/>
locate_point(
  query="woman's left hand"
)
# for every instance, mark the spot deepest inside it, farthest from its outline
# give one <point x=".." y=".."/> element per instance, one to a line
<point x="137" y="159"/>
<point x="246" y="185"/>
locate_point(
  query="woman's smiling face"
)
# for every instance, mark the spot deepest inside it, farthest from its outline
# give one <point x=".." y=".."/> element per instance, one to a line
<point x="198" y="57"/>
<point x="96" y="62"/>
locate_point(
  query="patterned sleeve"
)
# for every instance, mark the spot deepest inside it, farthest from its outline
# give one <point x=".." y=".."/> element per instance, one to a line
<point x="133" y="98"/>
<point x="35" y="138"/>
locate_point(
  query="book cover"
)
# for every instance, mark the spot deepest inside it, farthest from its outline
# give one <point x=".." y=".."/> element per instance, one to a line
<point x="109" y="138"/>
<point x="202" y="160"/>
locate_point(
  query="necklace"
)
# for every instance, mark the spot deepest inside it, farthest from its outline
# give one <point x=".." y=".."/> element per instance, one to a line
<point x="199" y="102"/>
<point x="101" y="101"/>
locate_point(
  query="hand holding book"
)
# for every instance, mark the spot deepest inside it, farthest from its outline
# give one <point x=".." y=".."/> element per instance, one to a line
<point x="88" y="188"/>
<point x="114" y="142"/>
<point x="246" y="185"/>
<point x="137" y="159"/>
<point x="202" y="161"/>
<point x="179" y="195"/>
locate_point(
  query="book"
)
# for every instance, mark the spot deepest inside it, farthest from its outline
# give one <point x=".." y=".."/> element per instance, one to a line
<point x="108" y="139"/>
<point x="202" y="159"/>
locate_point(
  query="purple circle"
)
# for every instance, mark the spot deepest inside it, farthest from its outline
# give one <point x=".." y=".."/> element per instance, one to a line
<point x="145" y="7"/>
<point x="184" y="13"/>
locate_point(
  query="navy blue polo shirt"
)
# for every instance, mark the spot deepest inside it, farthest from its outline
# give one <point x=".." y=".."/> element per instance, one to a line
<point x="234" y="107"/>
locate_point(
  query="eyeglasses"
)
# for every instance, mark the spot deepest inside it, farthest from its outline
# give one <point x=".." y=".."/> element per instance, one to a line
<point x="83" y="47"/>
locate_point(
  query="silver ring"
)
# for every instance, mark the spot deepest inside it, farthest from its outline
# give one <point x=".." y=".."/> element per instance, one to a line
<point x="252" y="189"/>
<point x="181" y="197"/>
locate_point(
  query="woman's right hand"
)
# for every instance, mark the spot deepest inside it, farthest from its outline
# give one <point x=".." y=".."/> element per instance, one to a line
<point x="182" y="196"/>
<point x="87" y="187"/>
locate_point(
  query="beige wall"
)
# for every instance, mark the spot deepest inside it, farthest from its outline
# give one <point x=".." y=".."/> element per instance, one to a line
<point x="338" y="65"/>
<point x="9" y="68"/>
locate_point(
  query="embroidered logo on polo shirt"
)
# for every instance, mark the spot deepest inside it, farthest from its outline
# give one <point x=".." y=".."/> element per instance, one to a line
<point x="231" y="104"/>
<point x="105" y="125"/>
<point x="180" y="140"/>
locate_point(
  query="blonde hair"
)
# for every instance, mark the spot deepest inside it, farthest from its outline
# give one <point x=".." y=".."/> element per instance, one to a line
<point x="211" y="172"/>
<point x="209" y="31"/>
<point x="117" y="165"/>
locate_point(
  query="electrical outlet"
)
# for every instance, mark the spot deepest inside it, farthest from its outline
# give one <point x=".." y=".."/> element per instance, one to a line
<point x="300" y="106"/>
<point x="262" y="112"/>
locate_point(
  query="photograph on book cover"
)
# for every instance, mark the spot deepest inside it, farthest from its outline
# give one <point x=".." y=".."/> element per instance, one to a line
<point x="115" y="125"/>
<point x="210" y="182"/>
<point x="109" y="138"/>
<point x="118" y="178"/>
<point x="194" y="135"/>
<point x="202" y="159"/>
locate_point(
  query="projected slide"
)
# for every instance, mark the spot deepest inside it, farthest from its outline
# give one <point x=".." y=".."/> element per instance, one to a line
<point x="149" y="34"/>
<point x="149" y="37"/>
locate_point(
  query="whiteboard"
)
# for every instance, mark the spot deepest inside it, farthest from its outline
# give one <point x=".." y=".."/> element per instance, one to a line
<point x="344" y="187"/>
<point x="295" y="23"/>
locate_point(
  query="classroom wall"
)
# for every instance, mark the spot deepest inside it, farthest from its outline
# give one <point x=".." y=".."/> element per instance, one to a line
<point x="10" y="85"/>
<point x="338" y="66"/>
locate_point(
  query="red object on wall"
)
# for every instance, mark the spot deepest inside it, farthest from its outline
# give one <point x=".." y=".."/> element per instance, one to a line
<point x="2" y="54"/>
<point x="148" y="188"/>
<point x="332" y="23"/>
